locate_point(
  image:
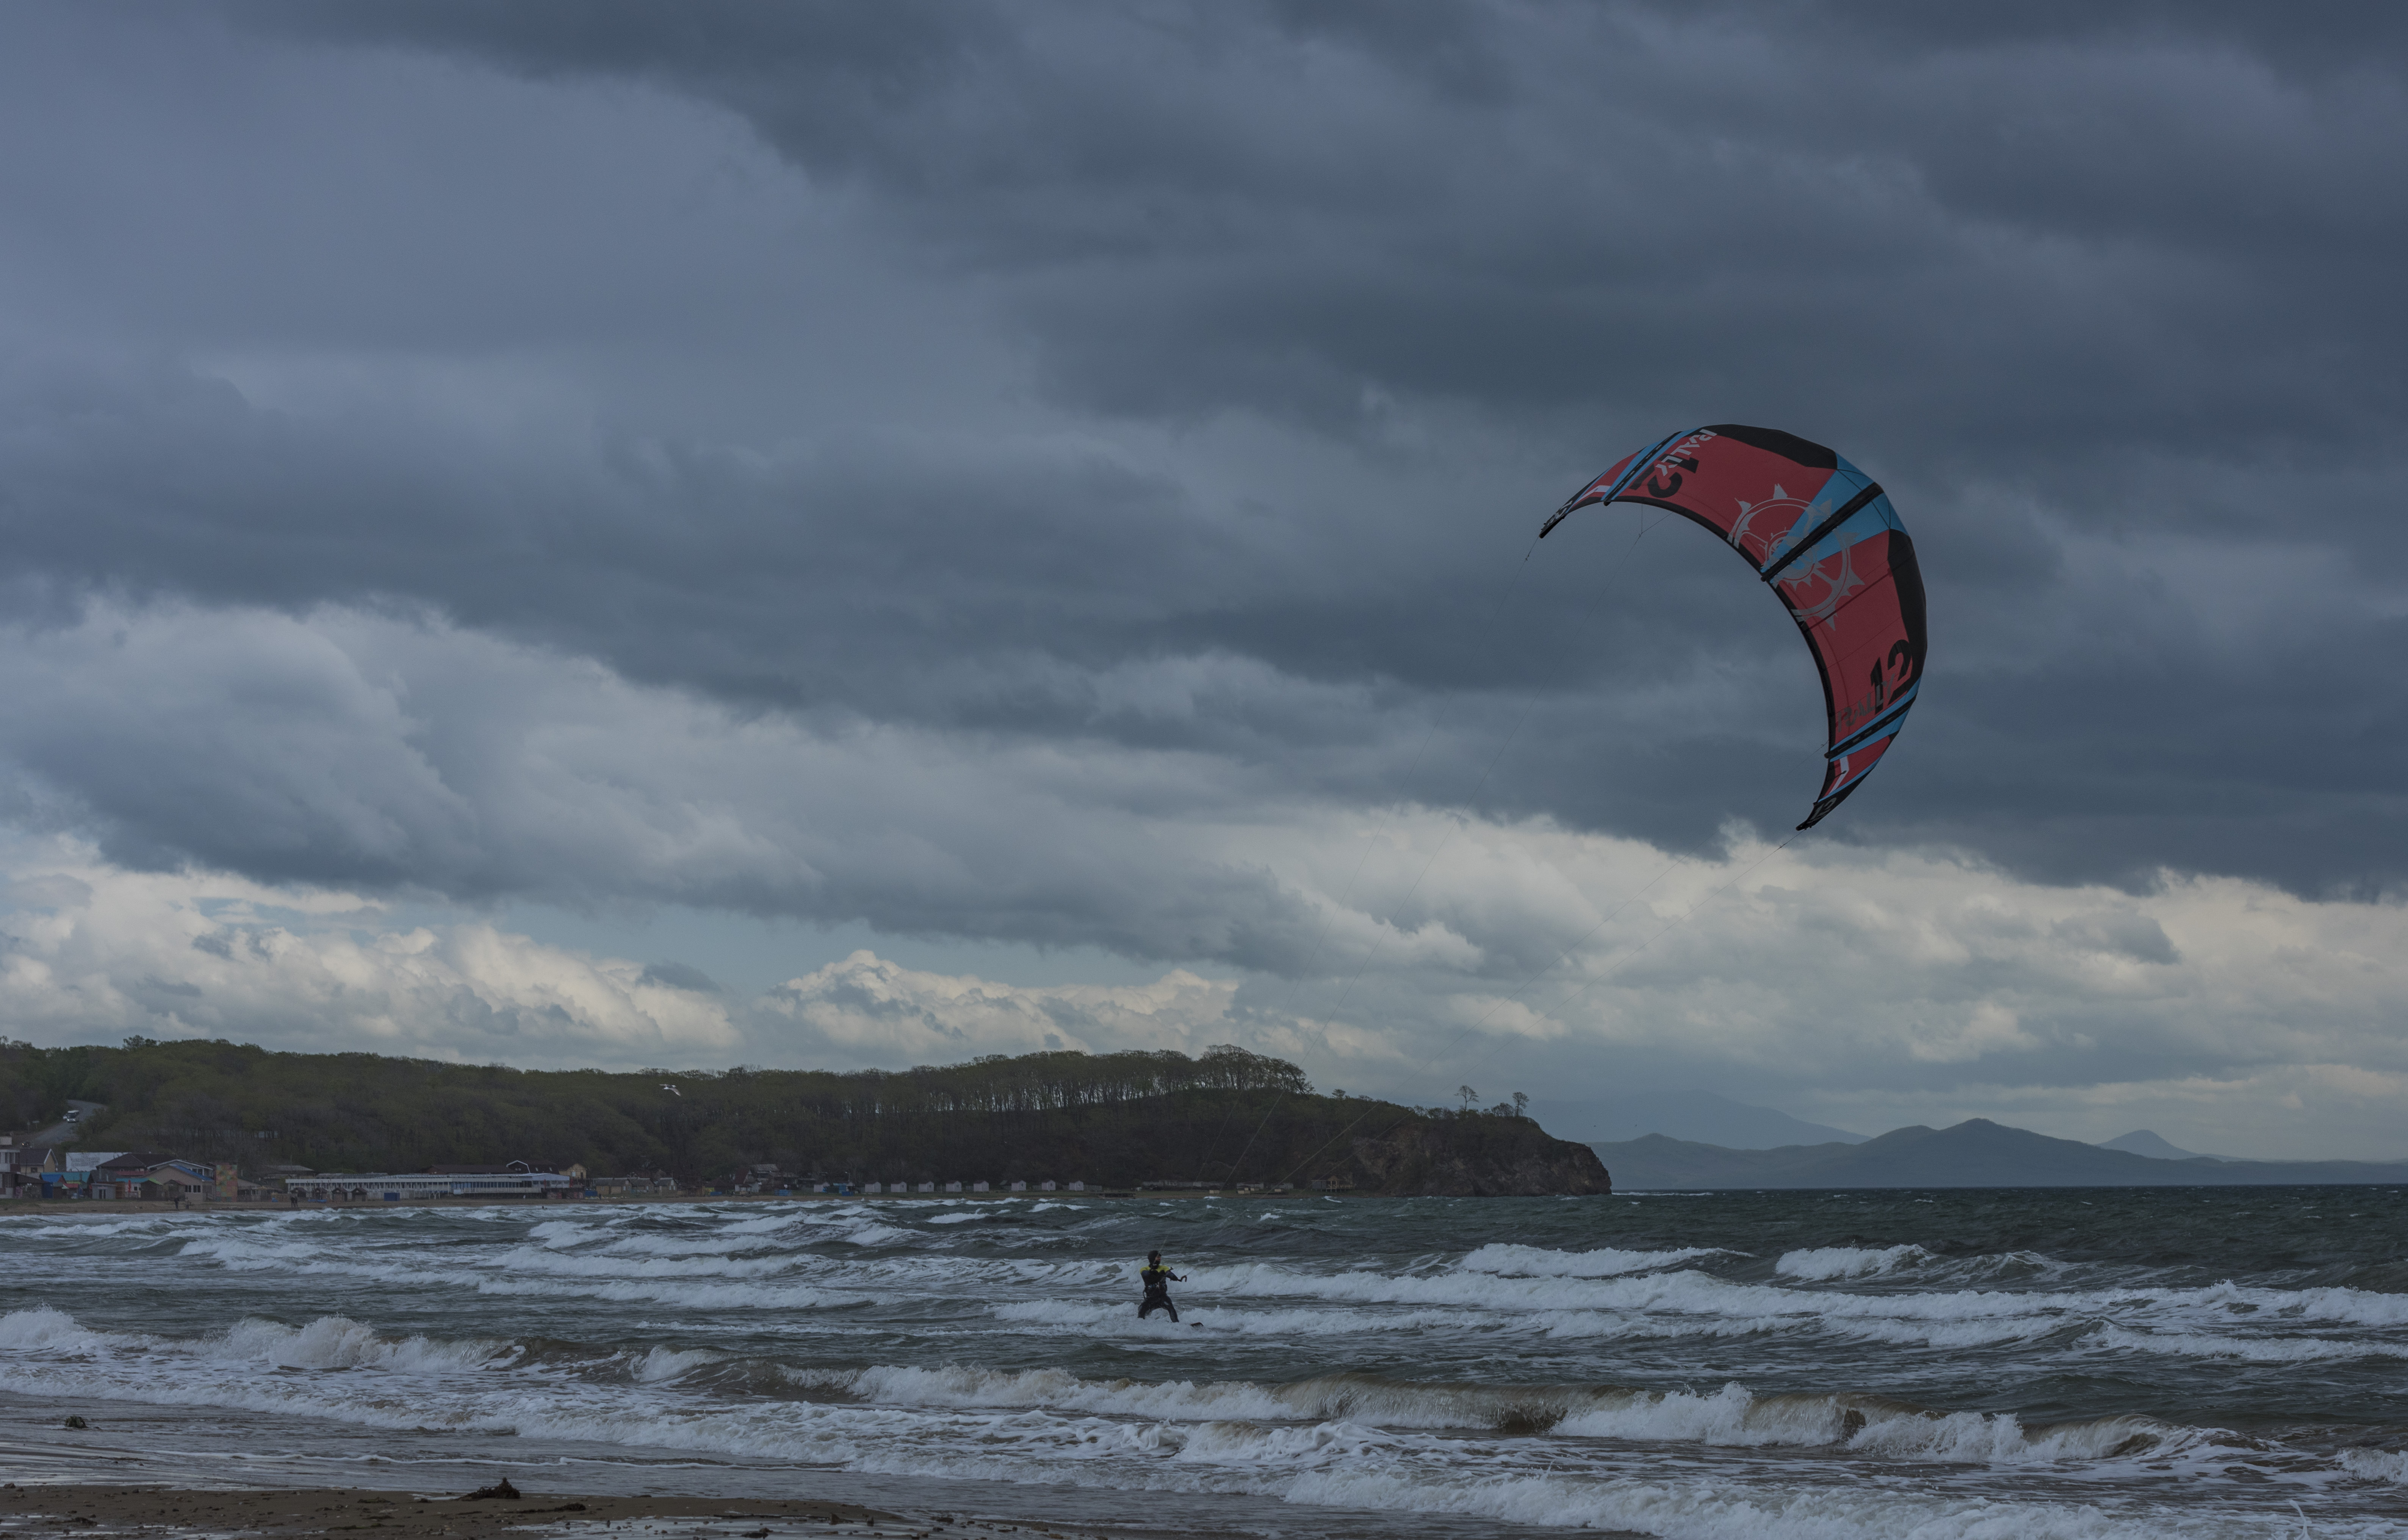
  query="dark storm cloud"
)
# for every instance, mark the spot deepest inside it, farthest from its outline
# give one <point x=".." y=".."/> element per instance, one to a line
<point x="2001" y="236"/>
<point x="912" y="581"/>
<point x="2107" y="298"/>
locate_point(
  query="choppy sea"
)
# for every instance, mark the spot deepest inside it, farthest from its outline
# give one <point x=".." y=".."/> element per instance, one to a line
<point x="1965" y="1364"/>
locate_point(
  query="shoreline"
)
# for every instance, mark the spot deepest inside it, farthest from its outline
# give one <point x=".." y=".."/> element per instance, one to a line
<point x="278" y="1205"/>
<point x="409" y="1515"/>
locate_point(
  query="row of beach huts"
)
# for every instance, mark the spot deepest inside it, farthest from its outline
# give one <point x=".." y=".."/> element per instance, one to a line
<point x="52" y="1173"/>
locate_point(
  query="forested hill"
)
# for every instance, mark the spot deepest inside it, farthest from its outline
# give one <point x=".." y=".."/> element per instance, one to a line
<point x="1113" y="1119"/>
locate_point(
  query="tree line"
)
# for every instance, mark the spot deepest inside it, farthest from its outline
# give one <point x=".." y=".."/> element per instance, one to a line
<point x="1226" y="1115"/>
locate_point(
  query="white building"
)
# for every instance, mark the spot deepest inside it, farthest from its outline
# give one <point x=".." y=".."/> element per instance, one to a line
<point x="404" y="1187"/>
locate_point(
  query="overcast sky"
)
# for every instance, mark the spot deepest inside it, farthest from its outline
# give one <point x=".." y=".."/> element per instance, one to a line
<point x="594" y="533"/>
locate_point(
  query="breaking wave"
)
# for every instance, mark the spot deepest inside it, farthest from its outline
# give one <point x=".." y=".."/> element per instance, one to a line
<point x="1847" y="1262"/>
<point x="1671" y="1371"/>
<point x="1532" y="1262"/>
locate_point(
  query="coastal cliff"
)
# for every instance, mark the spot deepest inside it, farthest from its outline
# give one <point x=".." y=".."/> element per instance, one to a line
<point x="1477" y="1158"/>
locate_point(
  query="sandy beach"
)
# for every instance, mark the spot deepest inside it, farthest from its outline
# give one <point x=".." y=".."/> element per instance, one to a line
<point x="103" y="1509"/>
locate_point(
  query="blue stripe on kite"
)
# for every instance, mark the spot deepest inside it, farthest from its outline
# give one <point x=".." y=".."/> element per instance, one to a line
<point x="1641" y="463"/>
<point x="1874" y="518"/>
<point x="1889" y="721"/>
<point x="1836" y="492"/>
<point x="1858" y="772"/>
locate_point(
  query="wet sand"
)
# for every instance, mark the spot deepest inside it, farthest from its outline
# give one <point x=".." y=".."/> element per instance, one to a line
<point x="103" y="1509"/>
<point x="57" y="1206"/>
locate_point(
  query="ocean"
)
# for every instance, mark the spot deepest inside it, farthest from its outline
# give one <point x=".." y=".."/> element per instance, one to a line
<point x="1987" y="1365"/>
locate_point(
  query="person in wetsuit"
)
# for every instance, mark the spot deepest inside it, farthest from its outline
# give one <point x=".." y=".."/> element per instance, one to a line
<point x="1157" y="1280"/>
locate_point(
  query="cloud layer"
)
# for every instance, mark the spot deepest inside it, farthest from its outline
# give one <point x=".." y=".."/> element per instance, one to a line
<point x="1060" y="476"/>
<point x="1867" y="989"/>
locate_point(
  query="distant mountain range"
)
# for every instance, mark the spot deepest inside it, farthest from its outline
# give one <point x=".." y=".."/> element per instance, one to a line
<point x="2141" y="1141"/>
<point x="1696" y="1115"/>
<point x="1975" y="1153"/>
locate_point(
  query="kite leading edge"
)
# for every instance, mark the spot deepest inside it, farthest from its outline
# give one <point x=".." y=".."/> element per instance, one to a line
<point x="1823" y="536"/>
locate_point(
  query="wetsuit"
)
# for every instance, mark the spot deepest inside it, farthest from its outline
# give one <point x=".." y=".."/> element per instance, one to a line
<point x="1157" y="1280"/>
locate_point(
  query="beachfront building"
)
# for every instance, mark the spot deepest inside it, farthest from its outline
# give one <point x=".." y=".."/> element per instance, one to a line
<point x="761" y="1178"/>
<point x="154" y="1175"/>
<point x="518" y="1180"/>
<point x="21" y="1166"/>
<point x="636" y="1182"/>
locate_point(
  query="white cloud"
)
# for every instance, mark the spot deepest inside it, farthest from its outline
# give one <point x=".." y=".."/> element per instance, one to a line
<point x="95" y="952"/>
<point x="870" y="1011"/>
<point x="1395" y="952"/>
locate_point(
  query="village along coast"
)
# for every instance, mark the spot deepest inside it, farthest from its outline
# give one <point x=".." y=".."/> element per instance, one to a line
<point x="1225" y="1119"/>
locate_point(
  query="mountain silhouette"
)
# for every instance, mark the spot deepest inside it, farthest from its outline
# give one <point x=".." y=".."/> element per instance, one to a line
<point x="1974" y="1153"/>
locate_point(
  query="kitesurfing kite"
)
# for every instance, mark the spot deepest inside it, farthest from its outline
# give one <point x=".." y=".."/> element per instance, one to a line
<point x="1824" y="536"/>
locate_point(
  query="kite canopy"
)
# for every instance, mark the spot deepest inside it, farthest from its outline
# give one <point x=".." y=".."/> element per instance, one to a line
<point x="1824" y="536"/>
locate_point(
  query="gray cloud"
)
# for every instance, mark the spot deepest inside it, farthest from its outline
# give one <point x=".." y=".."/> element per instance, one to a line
<point x="1179" y="387"/>
<point x="2070" y="228"/>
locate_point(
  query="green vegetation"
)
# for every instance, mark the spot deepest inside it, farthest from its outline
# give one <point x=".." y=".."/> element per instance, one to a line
<point x="1110" y="1120"/>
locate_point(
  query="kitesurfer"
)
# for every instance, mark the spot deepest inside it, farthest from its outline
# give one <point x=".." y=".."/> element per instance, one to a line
<point x="1157" y="1280"/>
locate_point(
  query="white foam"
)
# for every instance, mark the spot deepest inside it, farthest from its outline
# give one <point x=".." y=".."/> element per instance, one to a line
<point x="1728" y="1418"/>
<point x="43" y="1329"/>
<point x="1251" y="1447"/>
<point x="336" y="1342"/>
<point x="1711" y="1509"/>
<point x="2251" y="1349"/>
<point x="553" y="1276"/>
<point x="660" y="1364"/>
<point x="1532" y="1262"/>
<point x="964" y="1387"/>
<point x="2376" y="1464"/>
<point x="1687" y="1293"/>
<point x="1334" y="1441"/>
<point x="1122" y="1319"/>
<point x="1847" y="1262"/>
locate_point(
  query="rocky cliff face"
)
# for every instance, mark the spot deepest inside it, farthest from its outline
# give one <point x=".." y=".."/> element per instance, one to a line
<point x="1476" y="1156"/>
